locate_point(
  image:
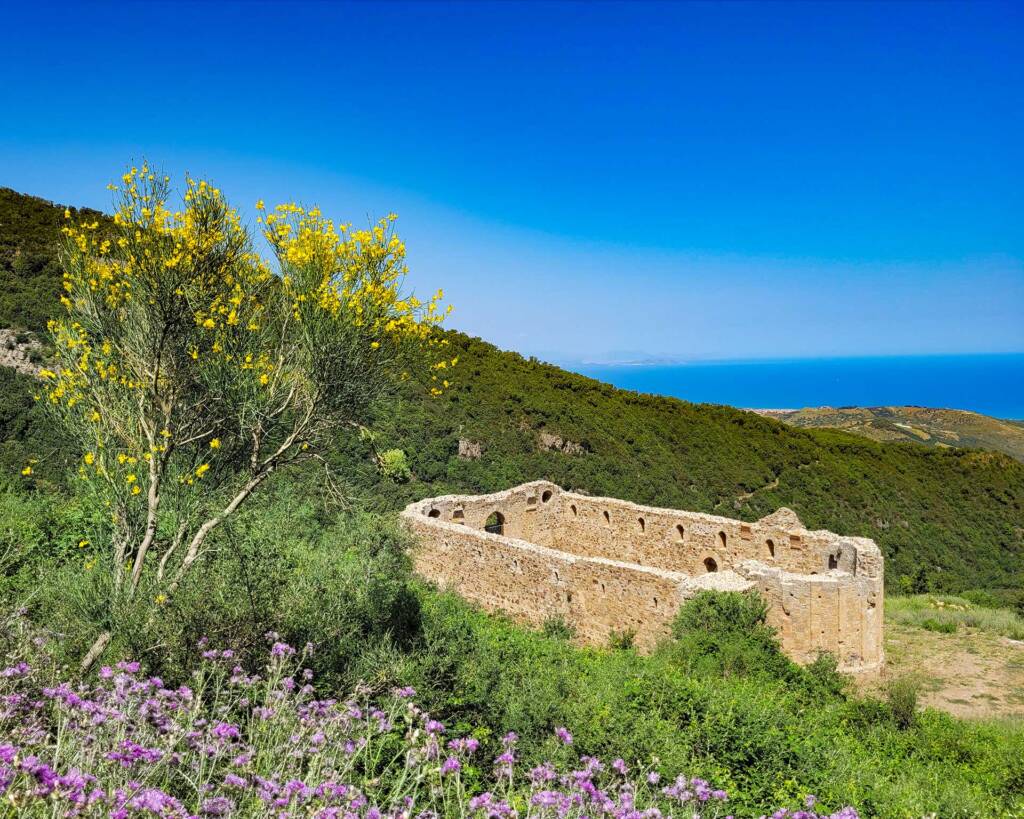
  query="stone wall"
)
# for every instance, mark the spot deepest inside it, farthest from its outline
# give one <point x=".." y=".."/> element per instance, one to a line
<point x="607" y="565"/>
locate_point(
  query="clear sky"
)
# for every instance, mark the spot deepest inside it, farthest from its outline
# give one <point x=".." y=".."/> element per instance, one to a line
<point x="704" y="181"/>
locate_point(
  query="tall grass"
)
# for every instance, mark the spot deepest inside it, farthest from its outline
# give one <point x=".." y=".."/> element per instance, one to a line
<point x="945" y="613"/>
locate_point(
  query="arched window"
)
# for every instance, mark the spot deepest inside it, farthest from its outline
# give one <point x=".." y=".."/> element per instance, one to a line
<point x="641" y="523"/>
<point x="546" y="496"/>
<point x="771" y="547"/>
<point x="607" y="517"/>
<point x="710" y="565"/>
<point x="434" y="513"/>
<point x="680" y="533"/>
<point x="495" y="523"/>
<point x="721" y="539"/>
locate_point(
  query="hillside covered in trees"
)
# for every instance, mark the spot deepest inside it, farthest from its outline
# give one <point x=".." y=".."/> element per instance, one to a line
<point x="947" y="519"/>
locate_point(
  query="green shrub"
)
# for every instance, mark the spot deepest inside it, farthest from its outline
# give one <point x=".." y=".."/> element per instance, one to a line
<point x="622" y="640"/>
<point x="726" y="633"/>
<point x="557" y="628"/>
<point x="901" y="695"/>
<point x="941" y="626"/>
<point x="394" y="465"/>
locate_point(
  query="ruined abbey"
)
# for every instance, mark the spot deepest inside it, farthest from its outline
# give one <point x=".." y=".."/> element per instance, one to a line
<point x="537" y="552"/>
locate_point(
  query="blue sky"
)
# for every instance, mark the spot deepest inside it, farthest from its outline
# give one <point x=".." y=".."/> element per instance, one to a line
<point x="703" y="181"/>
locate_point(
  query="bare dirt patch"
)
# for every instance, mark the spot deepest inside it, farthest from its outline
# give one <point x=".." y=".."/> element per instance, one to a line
<point x="970" y="673"/>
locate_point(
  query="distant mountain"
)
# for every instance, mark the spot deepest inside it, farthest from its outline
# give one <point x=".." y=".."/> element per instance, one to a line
<point x="933" y="427"/>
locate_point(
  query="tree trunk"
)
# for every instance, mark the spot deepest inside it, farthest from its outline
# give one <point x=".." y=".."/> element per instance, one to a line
<point x="98" y="647"/>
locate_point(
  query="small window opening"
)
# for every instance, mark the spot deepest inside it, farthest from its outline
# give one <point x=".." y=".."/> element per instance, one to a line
<point x="546" y="496"/>
<point x="495" y="523"/>
<point x="655" y="602"/>
<point x="434" y="513"/>
<point x="833" y="562"/>
<point x="771" y="547"/>
<point x="721" y="539"/>
<point x="710" y="564"/>
<point x="574" y="510"/>
<point x="681" y="532"/>
<point x="642" y="523"/>
<point x="607" y="517"/>
<point x="458" y="514"/>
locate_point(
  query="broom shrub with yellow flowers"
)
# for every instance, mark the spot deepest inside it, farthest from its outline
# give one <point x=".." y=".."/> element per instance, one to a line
<point x="189" y="369"/>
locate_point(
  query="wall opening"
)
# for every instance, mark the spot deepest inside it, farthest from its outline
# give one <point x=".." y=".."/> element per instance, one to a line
<point x="771" y="547"/>
<point x="710" y="564"/>
<point x="833" y="562"/>
<point x="641" y="523"/>
<point x="546" y="496"/>
<point x="434" y="513"/>
<point x="721" y="539"/>
<point x="495" y="523"/>
<point x="680" y="533"/>
<point x="607" y="517"/>
<point x="575" y="511"/>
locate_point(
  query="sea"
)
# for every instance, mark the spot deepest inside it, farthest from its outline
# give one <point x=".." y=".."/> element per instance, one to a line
<point x="988" y="384"/>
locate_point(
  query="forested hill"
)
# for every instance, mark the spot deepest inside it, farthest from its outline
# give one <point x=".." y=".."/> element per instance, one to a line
<point x="946" y="518"/>
<point x="950" y="519"/>
<point x="29" y="230"/>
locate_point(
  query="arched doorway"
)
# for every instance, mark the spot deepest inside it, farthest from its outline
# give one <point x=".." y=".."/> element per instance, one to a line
<point x="495" y="523"/>
<point x="710" y="564"/>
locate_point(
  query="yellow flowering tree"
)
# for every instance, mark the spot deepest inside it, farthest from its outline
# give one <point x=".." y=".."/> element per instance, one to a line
<point x="190" y="369"/>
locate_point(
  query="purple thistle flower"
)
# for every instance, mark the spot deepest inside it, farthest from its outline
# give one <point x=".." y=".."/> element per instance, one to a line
<point x="563" y="735"/>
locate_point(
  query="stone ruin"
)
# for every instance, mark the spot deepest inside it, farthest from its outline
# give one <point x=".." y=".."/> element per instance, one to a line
<point x="537" y="552"/>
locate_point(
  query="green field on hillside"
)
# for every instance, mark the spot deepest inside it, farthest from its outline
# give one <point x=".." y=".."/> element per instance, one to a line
<point x="922" y="425"/>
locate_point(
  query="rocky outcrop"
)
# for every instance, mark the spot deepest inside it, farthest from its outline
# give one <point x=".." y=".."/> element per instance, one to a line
<point x="17" y="351"/>
<point x="556" y="443"/>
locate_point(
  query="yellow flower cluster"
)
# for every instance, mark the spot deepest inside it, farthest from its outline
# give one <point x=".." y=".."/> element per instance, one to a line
<point x="167" y="304"/>
<point x="336" y="269"/>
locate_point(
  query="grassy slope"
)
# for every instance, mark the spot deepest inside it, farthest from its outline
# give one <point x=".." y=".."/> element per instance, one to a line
<point x="934" y="427"/>
<point x="959" y="514"/>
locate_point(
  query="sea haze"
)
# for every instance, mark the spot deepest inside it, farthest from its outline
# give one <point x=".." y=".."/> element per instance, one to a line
<point x="989" y="384"/>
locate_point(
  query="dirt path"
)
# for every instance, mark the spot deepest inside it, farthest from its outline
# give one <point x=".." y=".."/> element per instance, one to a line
<point x="969" y="674"/>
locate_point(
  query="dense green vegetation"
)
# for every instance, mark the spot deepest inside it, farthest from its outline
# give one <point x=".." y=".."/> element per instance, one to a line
<point x="29" y="228"/>
<point x="946" y="519"/>
<point x="718" y="699"/>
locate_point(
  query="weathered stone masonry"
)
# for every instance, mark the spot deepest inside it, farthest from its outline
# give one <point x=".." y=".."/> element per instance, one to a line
<point x="604" y="564"/>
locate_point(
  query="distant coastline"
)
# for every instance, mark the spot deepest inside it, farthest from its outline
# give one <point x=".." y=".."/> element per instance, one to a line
<point x="990" y="384"/>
